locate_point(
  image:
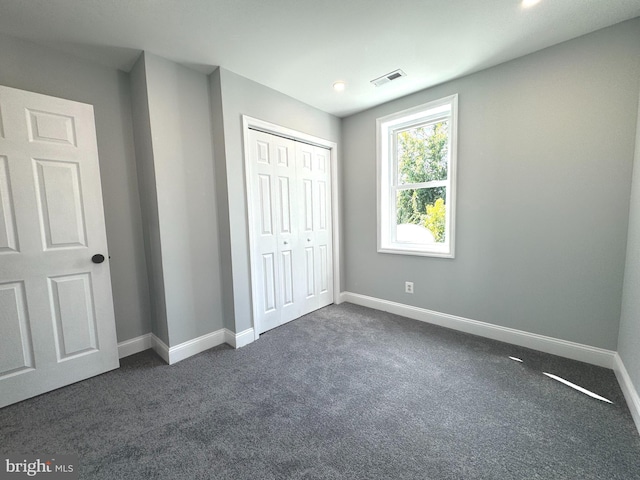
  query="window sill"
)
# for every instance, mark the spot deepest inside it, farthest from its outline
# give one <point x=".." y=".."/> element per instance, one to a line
<point x="417" y="252"/>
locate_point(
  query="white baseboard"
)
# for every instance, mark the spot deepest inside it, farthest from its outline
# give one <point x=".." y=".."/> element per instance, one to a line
<point x="160" y="348"/>
<point x="629" y="390"/>
<point x="134" y="345"/>
<point x="238" y="340"/>
<point x="195" y="346"/>
<point x="562" y="348"/>
<point x="187" y="349"/>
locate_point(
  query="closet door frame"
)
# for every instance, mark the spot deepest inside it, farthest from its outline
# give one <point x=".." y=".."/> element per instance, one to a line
<point x="251" y="123"/>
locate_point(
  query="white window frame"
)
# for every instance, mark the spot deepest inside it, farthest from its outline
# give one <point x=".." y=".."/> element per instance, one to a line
<point x="386" y="127"/>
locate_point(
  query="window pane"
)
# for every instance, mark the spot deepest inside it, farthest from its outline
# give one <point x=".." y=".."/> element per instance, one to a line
<point x="423" y="153"/>
<point x="421" y="215"/>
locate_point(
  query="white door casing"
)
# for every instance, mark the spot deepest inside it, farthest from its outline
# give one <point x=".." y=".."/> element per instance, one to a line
<point x="56" y="311"/>
<point x="290" y="215"/>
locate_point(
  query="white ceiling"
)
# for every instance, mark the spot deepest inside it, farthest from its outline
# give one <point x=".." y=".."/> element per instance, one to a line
<point x="300" y="47"/>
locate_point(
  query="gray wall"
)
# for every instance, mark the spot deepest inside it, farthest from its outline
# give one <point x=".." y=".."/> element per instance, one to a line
<point x="240" y="96"/>
<point x="148" y="198"/>
<point x="629" y="340"/>
<point x="222" y="194"/>
<point x="546" y="145"/>
<point x="35" y="68"/>
<point x="182" y="151"/>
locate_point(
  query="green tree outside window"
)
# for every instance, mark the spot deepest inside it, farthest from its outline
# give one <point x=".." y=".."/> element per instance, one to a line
<point x="423" y="154"/>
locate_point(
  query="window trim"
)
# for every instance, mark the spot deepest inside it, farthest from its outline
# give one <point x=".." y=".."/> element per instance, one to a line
<point x="386" y="163"/>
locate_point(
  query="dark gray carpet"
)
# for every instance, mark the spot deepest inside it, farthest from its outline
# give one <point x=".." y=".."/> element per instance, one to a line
<point x="343" y="393"/>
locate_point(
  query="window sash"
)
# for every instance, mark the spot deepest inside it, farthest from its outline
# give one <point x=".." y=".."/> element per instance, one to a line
<point x="393" y="218"/>
<point x="393" y="151"/>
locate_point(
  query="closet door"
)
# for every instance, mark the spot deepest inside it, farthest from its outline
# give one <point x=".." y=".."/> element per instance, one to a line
<point x="275" y="229"/>
<point x="290" y="200"/>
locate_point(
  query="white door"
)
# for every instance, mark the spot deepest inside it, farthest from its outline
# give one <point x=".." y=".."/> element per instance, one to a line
<point x="315" y="225"/>
<point x="291" y="228"/>
<point x="275" y="227"/>
<point x="56" y="312"/>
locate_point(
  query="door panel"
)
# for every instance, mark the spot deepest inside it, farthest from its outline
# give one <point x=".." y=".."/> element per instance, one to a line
<point x="307" y="158"/>
<point x="283" y="156"/>
<point x="288" y="296"/>
<point x="15" y="341"/>
<point x="60" y="203"/>
<point x="309" y="274"/>
<point x="322" y="205"/>
<point x="71" y="300"/>
<point x="262" y="152"/>
<point x="49" y="127"/>
<point x="269" y="282"/>
<point x="323" y="265"/>
<point x="56" y="306"/>
<point x="8" y="238"/>
<point x="308" y="204"/>
<point x="266" y="225"/>
<point x="284" y="201"/>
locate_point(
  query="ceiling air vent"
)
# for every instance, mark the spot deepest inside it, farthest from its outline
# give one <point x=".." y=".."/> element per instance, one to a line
<point x="388" y="77"/>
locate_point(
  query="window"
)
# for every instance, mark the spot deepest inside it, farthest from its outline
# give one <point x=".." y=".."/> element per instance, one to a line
<point x="416" y="179"/>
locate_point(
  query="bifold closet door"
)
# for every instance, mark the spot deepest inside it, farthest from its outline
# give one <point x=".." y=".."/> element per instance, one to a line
<point x="291" y="228"/>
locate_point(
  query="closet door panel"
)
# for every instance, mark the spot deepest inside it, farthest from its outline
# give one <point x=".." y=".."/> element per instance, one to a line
<point x="290" y="257"/>
<point x="323" y="241"/>
<point x="314" y="179"/>
<point x="265" y="254"/>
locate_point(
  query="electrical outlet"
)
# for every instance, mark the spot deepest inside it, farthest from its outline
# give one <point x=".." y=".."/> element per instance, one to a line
<point x="408" y="287"/>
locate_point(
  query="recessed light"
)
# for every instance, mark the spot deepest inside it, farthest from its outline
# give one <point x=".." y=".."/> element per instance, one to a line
<point x="529" y="3"/>
<point x="339" y="86"/>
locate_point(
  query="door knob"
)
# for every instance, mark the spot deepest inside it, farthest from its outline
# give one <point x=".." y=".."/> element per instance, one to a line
<point x="308" y="239"/>
<point x="97" y="258"/>
<point x="286" y="243"/>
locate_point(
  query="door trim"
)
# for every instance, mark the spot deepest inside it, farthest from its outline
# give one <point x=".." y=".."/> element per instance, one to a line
<point x="251" y="123"/>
